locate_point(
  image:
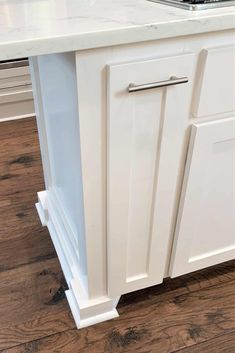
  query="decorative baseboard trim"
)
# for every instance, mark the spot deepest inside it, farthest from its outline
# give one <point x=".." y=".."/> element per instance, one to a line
<point x="98" y="312"/>
<point x="85" y="311"/>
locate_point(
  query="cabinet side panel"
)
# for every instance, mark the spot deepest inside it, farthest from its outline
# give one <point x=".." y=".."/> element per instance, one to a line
<point x="60" y="101"/>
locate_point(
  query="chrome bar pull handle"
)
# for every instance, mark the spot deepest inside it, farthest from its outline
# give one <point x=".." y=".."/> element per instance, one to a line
<point x="172" y="81"/>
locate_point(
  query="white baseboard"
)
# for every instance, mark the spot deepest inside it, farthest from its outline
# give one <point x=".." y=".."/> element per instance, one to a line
<point x="12" y="118"/>
<point x="85" y="311"/>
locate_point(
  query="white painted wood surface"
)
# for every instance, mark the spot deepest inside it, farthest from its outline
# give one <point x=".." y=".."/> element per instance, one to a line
<point x="60" y="115"/>
<point x="61" y="172"/>
<point x="215" y="92"/>
<point x="87" y="170"/>
<point x="139" y="182"/>
<point x="85" y="311"/>
<point x="205" y="232"/>
<point x="16" y="97"/>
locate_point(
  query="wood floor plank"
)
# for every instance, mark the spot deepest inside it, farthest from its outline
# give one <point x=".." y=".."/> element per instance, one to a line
<point x="221" y="344"/>
<point x="12" y="178"/>
<point x="33" y="303"/>
<point x="29" y="289"/>
<point x="17" y="218"/>
<point x="32" y="299"/>
<point x="20" y="161"/>
<point x="39" y="326"/>
<point x="161" y="327"/>
<point x="22" y="239"/>
<point x="17" y="128"/>
<point x="25" y="246"/>
<point x="28" y="143"/>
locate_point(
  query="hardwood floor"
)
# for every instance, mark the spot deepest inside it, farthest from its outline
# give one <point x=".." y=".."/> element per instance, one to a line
<point x="190" y="314"/>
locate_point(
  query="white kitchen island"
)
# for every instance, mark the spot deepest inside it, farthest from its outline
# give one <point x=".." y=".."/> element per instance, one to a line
<point x="135" y="108"/>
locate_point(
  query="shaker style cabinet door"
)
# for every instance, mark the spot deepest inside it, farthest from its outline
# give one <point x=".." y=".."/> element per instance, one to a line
<point x="205" y="231"/>
<point x="145" y="136"/>
<point x="215" y="91"/>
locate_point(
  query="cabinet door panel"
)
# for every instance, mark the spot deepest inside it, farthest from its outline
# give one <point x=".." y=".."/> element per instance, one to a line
<point x="215" y="91"/>
<point x="144" y="148"/>
<point x="205" y="231"/>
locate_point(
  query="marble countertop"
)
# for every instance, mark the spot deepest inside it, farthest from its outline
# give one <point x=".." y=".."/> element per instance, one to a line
<point x="34" y="27"/>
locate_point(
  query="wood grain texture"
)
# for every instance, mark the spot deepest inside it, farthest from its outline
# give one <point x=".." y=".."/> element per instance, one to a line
<point x="222" y="344"/>
<point x="32" y="298"/>
<point x="22" y="239"/>
<point x="32" y="303"/>
<point x="190" y="314"/>
<point x="165" y="326"/>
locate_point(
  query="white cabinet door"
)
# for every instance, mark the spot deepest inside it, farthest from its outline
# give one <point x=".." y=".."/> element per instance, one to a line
<point x="215" y="89"/>
<point x="145" y="138"/>
<point x="205" y="231"/>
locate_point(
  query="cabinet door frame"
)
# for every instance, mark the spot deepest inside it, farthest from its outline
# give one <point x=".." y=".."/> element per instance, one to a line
<point x="167" y="167"/>
<point x="182" y="261"/>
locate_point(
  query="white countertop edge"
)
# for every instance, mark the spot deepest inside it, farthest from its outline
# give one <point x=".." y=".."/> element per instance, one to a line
<point x="134" y="34"/>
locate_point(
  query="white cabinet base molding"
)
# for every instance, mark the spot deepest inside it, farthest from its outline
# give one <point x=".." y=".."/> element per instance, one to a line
<point x="114" y="127"/>
<point x="85" y="311"/>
